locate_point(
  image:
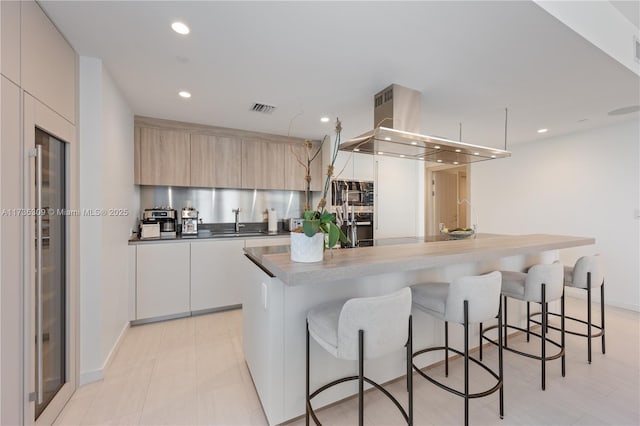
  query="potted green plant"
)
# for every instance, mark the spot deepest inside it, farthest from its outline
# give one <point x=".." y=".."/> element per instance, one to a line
<point x="308" y="243"/>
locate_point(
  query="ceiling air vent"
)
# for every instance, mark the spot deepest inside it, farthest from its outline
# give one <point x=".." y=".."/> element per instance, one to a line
<point x="263" y="108"/>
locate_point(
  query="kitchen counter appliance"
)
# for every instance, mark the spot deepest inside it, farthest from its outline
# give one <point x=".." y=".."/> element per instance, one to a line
<point x="165" y="217"/>
<point x="189" y="222"/>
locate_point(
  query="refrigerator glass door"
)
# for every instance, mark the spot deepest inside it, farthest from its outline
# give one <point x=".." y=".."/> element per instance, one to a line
<point x="51" y="359"/>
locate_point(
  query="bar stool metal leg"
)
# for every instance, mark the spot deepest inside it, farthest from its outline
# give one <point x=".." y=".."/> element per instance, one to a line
<point x="589" y="317"/>
<point x="306" y="408"/>
<point x="410" y="370"/>
<point x="542" y="333"/>
<point x="480" y="342"/>
<point x="602" y="313"/>
<point x="360" y="377"/>
<point x="528" y="319"/>
<point x="446" y="349"/>
<point x="500" y="365"/>
<point x="466" y="363"/>
<point x="506" y="322"/>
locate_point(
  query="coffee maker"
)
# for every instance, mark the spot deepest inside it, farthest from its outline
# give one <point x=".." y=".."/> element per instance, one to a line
<point x="164" y="217"/>
<point x="189" y="222"/>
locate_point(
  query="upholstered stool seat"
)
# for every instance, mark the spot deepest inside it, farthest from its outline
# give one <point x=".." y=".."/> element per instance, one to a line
<point x="586" y="274"/>
<point x="359" y="329"/>
<point x="465" y="300"/>
<point x="540" y="284"/>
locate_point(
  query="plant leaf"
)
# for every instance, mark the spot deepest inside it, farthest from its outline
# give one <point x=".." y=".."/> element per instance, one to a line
<point x="310" y="227"/>
<point x="334" y="234"/>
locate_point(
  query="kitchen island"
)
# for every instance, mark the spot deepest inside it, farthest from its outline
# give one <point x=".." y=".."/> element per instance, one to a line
<point x="280" y="293"/>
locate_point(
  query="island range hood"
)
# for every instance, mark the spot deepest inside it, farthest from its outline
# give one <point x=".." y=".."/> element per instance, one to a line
<point x="397" y="133"/>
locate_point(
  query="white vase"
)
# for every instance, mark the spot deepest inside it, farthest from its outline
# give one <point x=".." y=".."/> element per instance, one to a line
<point x="307" y="249"/>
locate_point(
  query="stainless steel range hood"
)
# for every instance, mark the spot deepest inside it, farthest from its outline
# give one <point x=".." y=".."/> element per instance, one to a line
<point x="396" y="133"/>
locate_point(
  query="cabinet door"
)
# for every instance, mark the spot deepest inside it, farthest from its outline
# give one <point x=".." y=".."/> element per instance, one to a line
<point x="11" y="258"/>
<point x="216" y="161"/>
<point x="268" y="242"/>
<point x="48" y="62"/>
<point x="363" y="166"/>
<point x="262" y="165"/>
<point x="10" y="40"/>
<point x="396" y="204"/>
<point x="343" y="167"/>
<point x="294" y="171"/>
<point x="216" y="274"/>
<point x="162" y="279"/>
<point x="164" y="157"/>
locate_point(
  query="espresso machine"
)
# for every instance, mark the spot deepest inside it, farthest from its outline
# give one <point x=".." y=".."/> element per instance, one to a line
<point x="189" y="222"/>
<point x="162" y="217"/>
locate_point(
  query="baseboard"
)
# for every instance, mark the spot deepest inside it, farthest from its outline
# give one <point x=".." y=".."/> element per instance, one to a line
<point x="97" y="375"/>
<point x="91" y="376"/>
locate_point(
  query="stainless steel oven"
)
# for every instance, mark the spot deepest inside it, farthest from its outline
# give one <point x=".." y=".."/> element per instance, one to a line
<point x="364" y="228"/>
<point x="354" y="192"/>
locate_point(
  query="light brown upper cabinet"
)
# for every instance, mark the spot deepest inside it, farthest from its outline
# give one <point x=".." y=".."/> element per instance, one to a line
<point x="294" y="179"/>
<point x="262" y="164"/>
<point x="165" y="157"/>
<point x="216" y="161"/>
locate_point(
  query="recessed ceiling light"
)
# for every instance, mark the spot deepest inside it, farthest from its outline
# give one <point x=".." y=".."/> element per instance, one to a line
<point x="493" y="156"/>
<point x="325" y="119"/>
<point x="380" y="153"/>
<point x="476" y="153"/>
<point x="387" y="139"/>
<point x="184" y="94"/>
<point x="180" y="28"/>
<point x="437" y="147"/>
<point x="356" y="149"/>
<point x="421" y="158"/>
<point x="543" y="130"/>
<point x="458" y="150"/>
<point x="455" y="162"/>
<point x="402" y="155"/>
<point x="414" y="143"/>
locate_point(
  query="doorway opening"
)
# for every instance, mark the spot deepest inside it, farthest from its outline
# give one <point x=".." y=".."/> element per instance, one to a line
<point x="447" y="194"/>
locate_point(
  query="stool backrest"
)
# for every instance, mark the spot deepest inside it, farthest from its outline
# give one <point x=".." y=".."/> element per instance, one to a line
<point x="552" y="276"/>
<point x="586" y="264"/>
<point x="384" y="319"/>
<point x="482" y="293"/>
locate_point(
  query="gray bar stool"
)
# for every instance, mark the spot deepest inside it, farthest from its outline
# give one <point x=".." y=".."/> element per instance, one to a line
<point x="586" y="274"/>
<point x="359" y="329"/>
<point x="465" y="300"/>
<point x="540" y="284"/>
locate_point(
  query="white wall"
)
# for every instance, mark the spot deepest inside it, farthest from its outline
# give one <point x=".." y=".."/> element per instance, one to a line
<point x="106" y="182"/>
<point x="583" y="184"/>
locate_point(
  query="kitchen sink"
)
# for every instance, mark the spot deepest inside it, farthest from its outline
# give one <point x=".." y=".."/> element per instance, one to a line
<point x="227" y="234"/>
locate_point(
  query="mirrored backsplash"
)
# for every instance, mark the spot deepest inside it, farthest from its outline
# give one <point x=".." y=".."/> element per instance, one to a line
<point x="216" y="205"/>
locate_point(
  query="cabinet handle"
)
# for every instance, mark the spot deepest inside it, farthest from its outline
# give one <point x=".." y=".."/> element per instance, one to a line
<point x="39" y="268"/>
<point x="375" y="203"/>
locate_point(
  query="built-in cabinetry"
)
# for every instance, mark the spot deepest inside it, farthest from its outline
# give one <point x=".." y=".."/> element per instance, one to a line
<point x="295" y="172"/>
<point x="10" y="40"/>
<point x="262" y="164"/>
<point x="397" y="185"/>
<point x="354" y="166"/>
<point x="162" y="280"/>
<point x="165" y="157"/>
<point x="48" y="63"/>
<point x="214" y="161"/>
<point x="181" y="277"/>
<point x="170" y="153"/>
<point x="216" y="274"/>
<point x="38" y="89"/>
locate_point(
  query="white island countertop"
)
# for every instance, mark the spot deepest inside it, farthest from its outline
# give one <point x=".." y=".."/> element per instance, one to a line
<point x="414" y="255"/>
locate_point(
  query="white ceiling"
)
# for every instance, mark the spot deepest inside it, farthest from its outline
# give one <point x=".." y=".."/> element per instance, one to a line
<point x="469" y="59"/>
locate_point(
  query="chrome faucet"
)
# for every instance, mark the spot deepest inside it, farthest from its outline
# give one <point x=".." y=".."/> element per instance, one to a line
<point x="237" y="225"/>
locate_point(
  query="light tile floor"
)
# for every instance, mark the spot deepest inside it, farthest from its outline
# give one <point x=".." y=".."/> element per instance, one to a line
<point x="192" y="372"/>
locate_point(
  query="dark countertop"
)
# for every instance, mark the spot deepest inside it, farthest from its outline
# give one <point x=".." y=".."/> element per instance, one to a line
<point x="208" y="236"/>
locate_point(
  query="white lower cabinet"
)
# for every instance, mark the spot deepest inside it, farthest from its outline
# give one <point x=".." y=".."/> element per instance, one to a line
<point x="216" y="274"/>
<point x="162" y="280"/>
<point x="184" y="277"/>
